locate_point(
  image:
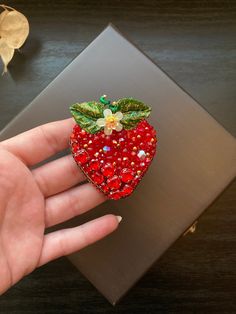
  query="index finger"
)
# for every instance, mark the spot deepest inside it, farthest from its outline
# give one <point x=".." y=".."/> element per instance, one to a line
<point x="40" y="143"/>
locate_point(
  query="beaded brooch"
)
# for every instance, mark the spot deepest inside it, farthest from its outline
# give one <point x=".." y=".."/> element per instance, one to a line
<point x="113" y="144"/>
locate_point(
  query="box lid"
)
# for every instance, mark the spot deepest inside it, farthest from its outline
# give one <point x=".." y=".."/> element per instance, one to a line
<point x="195" y="160"/>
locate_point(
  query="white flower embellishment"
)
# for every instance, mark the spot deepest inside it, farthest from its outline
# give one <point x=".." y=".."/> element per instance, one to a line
<point x="110" y="121"/>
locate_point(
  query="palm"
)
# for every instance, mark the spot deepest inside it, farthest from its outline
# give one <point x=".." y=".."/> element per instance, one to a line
<point x="34" y="200"/>
<point x="22" y="219"/>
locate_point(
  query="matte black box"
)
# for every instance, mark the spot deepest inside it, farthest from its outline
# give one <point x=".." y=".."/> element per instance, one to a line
<point x="195" y="160"/>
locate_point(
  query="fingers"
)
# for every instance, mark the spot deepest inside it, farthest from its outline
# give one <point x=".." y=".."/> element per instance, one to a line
<point x="41" y="142"/>
<point x="66" y="205"/>
<point x="58" y="175"/>
<point x="67" y="241"/>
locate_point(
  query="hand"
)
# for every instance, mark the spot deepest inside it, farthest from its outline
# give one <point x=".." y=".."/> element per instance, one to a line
<point x="31" y="201"/>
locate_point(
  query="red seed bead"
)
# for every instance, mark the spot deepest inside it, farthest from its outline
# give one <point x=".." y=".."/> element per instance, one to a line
<point x="82" y="156"/>
<point x="127" y="190"/>
<point x="126" y="175"/>
<point x="114" y="183"/>
<point x="125" y="162"/>
<point x="108" y="170"/>
<point x="97" y="177"/>
<point x="94" y="164"/>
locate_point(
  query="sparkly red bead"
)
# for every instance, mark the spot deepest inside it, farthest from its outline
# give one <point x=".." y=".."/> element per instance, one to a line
<point x="94" y="164"/>
<point x="108" y="170"/>
<point x="127" y="190"/>
<point x="114" y="183"/>
<point x="115" y="195"/>
<point x="97" y="177"/>
<point x="126" y="175"/>
<point x="115" y="163"/>
<point x="82" y="156"/>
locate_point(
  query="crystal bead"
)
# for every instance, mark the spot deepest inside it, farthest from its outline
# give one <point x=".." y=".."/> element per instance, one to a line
<point x="127" y="189"/>
<point x="94" y="164"/>
<point x="97" y="177"/>
<point x="108" y="170"/>
<point x="126" y="175"/>
<point x="114" y="183"/>
<point x="141" y="154"/>
<point x="115" y="195"/>
<point x="82" y="156"/>
<point x="106" y="148"/>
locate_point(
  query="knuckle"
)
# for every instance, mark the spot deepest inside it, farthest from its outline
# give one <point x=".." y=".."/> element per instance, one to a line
<point x="74" y="205"/>
<point x="51" y="141"/>
<point x="63" y="243"/>
<point x="41" y="182"/>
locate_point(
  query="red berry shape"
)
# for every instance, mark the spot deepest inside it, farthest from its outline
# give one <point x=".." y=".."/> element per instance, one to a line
<point x="115" y="164"/>
<point x="113" y="144"/>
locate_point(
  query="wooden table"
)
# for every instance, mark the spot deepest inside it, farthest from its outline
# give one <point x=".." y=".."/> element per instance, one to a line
<point x="194" y="42"/>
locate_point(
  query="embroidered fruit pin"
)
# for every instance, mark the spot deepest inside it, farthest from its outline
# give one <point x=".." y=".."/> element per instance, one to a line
<point x="113" y="144"/>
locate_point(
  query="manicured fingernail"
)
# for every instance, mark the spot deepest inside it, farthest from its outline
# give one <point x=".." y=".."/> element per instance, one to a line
<point x="119" y="218"/>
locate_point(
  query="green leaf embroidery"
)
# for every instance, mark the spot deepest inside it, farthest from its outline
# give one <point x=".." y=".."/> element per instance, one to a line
<point x="133" y="111"/>
<point x="131" y="104"/>
<point x="92" y="108"/>
<point x="131" y="119"/>
<point x="86" y="115"/>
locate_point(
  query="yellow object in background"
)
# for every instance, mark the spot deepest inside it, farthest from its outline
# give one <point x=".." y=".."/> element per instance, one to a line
<point x="14" y="29"/>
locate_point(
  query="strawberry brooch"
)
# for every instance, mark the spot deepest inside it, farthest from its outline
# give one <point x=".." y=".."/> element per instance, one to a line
<point x="113" y="144"/>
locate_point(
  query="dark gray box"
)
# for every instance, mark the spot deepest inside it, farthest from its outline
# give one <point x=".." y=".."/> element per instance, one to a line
<point x="195" y="160"/>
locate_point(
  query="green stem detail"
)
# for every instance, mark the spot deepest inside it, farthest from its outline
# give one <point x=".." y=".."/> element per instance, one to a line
<point x="108" y="103"/>
<point x="104" y="101"/>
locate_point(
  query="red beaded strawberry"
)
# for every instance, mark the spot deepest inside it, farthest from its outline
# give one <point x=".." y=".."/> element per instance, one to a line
<point x="113" y="144"/>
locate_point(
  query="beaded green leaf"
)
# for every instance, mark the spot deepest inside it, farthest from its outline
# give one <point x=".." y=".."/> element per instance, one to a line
<point x="86" y="115"/>
<point x="133" y="111"/>
<point x="91" y="108"/>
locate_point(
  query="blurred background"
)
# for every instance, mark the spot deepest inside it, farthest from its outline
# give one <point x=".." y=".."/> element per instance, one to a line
<point x="194" y="42"/>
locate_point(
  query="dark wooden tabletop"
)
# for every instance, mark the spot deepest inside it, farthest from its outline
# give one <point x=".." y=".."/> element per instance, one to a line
<point x="194" y="42"/>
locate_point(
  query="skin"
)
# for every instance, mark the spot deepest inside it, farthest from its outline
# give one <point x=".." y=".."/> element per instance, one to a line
<point x="32" y="200"/>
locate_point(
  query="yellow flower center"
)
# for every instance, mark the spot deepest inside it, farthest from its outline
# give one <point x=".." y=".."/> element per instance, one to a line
<point x="111" y="121"/>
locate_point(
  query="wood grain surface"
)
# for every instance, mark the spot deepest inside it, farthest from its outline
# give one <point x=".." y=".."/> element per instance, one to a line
<point x="194" y="42"/>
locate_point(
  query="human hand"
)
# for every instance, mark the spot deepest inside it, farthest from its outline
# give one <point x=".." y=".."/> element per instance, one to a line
<point x="32" y="200"/>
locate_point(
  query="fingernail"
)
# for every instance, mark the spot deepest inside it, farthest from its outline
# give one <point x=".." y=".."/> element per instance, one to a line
<point x="119" y="218"/>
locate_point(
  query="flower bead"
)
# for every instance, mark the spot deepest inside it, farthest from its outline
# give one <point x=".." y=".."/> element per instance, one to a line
<point x="110" y="121"/>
